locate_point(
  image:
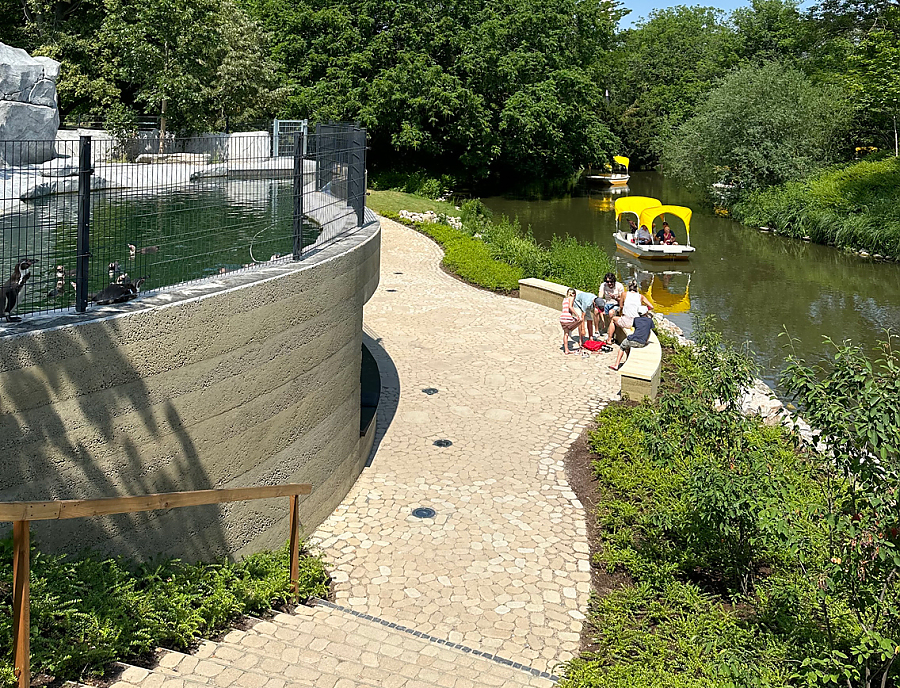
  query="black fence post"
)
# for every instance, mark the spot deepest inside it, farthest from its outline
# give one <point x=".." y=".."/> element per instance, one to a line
<point x="356" y="183"/>
<point x="298" y="195"/>
<point x="83" y="249"/>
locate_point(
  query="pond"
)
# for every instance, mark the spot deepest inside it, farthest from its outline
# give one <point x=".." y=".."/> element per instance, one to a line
<point x="180" y="234"/>
<point x="758" y="285"/>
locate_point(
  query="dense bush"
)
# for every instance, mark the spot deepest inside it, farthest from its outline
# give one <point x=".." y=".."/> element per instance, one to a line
<point x="762" y="125"/>
<point x="744" y="559"/>
<point x="853" y="206"/>
<point x="89" y="611"/>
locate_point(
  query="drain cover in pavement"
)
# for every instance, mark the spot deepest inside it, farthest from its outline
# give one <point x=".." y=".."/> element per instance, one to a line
<point x="423" y="512"/>
<point x="442" y="443"/>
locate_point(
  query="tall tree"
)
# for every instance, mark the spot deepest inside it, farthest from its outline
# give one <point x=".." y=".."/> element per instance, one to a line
<point x="762" y="126"/>
<point x="473" y="87"/>
<point x="770" y="30"/>
<point x="669" y="62"/>
<point x="873" y="73"/>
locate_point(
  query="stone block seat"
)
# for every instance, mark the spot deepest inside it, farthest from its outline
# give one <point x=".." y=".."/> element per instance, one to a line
<point x="640" y="372"/>
<point x="540" y="291"/>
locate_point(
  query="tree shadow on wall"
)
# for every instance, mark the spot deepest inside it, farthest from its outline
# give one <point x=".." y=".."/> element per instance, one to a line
<point x="78" y="421"/>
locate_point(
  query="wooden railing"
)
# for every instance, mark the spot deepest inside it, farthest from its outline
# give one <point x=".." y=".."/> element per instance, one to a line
<point x="20" y="513"/>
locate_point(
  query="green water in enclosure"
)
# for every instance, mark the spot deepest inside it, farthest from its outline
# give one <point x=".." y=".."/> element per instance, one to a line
<point x="758" y="285"/>
<point x="181" y="235"/>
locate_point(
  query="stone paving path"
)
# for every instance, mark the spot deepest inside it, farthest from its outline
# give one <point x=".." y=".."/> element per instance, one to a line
<point x="489" y="592"/>
<point x="325" y="648"/>
<point x="503" y="566"/>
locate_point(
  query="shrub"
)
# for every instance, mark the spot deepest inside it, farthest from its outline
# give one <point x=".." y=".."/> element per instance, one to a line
<point x="714" y="520"/>
<point x="854" y="206"/>
<point x="855" y="403"/>
<point x="89" y="611"/>
<point x="576" y="264"/>
<point x="418" y="183"/>
<point x="471" y="259"/>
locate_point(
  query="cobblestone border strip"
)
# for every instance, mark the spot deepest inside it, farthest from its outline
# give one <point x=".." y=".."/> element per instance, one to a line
<point x="439" y="641"/>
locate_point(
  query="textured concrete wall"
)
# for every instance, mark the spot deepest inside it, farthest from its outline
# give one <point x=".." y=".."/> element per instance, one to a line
<point x="249" y="380"/>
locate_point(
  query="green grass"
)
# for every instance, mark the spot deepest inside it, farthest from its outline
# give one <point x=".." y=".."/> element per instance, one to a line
<point x="89" y="611"/>
<point x="855" y="206"/>
<point x="389" y="203"/>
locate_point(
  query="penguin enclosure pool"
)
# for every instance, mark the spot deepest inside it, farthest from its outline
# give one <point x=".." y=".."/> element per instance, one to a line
<point x="170" y="218"/>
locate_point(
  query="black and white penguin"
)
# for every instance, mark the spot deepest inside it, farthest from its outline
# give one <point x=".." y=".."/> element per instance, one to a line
<point x="14" y="285"/>
<point x="57" y="290"/>
<point x="117" y="293"/>
<point x="134" y="250"/>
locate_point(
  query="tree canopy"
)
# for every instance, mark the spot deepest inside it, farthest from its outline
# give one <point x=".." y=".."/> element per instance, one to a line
<point x="763" y="125"/>
<point x="515" y="89"/>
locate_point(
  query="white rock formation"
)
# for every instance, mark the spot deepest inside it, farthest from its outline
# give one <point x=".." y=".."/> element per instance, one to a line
<point x="28" y="113"/>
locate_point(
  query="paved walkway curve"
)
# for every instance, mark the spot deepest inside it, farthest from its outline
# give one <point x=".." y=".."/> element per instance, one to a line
<point x="503" y="566"/>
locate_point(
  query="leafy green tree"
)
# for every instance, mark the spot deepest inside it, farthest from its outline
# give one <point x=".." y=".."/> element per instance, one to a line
<point x="166" y="50"/>
<point x="245" y="85"/>
<point x="668" y="62"/>
<point x="873" y="74"/>
<point x="770" y="30"/>
<point x="470" y="87"/>
<point x="762" y="126"/>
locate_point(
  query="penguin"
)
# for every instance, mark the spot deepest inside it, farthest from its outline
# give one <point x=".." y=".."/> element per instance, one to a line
<point x="124" y="278"/>
<point x="114" y="269"/>
<point x="57" y="290"/>
<point x="134" y="250"/>
<point x="14" y="285"/>
<point x="117" y="293"/>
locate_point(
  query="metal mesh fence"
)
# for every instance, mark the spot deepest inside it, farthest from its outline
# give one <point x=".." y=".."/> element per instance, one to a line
<point x="101" y="214"/>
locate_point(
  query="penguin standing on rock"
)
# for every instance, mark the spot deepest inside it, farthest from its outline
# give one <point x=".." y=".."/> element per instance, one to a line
<point x="14" y="285"/>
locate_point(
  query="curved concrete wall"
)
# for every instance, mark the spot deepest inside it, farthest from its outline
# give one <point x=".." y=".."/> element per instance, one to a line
<point x="251" y="379"/>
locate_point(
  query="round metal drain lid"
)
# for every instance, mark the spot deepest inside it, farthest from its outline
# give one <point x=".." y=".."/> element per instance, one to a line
<point x="442" y="443"/>
<point x="430" y="390"/>
<point x="423" y="512"/>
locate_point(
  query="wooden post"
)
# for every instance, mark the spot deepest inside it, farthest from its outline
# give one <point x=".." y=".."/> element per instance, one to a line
<point x="22" y="604"/>
<point x="295" y="548"/>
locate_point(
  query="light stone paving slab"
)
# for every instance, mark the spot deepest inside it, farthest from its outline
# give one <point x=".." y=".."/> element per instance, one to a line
<point x="504" y="565"/>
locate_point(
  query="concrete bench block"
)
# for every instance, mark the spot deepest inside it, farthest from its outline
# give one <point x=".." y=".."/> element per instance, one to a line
<point x="540" y="291"/>
<point x="640" y="373"/>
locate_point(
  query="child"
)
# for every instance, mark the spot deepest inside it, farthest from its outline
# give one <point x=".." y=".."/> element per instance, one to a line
<point x="569" y="319"/>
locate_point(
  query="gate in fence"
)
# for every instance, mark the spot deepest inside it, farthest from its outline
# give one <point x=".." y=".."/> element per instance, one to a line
<point x="284" y="132"/>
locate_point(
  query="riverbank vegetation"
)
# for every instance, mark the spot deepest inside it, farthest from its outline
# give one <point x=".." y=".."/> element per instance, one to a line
<point x="495" y="253"/>
<point x="91" y="610"/>
<point x="855" y="206"/>
<point x="730" y="554"/>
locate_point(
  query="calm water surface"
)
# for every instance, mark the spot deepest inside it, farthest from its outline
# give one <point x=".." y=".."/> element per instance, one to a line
<point x="757" y="284"/>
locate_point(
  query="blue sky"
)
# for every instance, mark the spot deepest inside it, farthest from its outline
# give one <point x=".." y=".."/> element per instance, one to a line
<point x="641" y="8"/>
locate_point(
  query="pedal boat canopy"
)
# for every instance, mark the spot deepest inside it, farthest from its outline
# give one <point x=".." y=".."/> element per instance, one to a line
<point x="635" y="205"/>
<point x="648" y="215"/>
